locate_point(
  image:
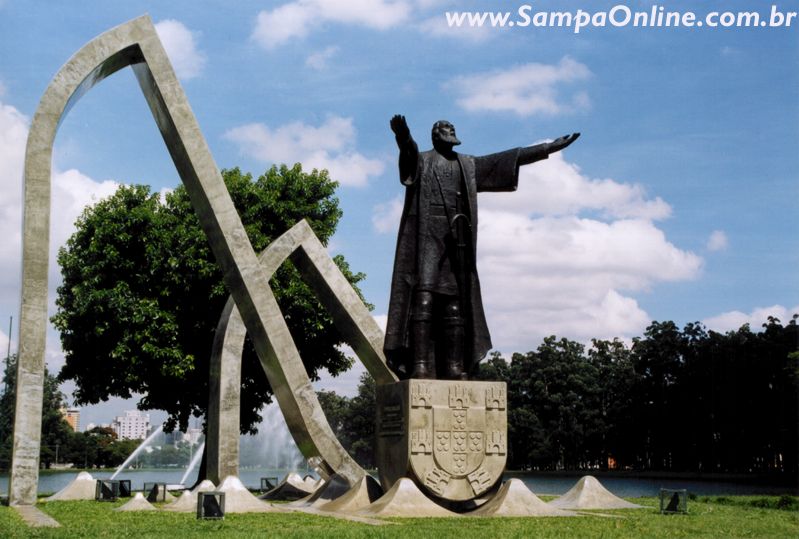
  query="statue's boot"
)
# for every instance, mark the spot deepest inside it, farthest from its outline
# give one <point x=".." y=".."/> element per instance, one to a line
<point x="423" y="350"/>
<point x="454" y="336"/>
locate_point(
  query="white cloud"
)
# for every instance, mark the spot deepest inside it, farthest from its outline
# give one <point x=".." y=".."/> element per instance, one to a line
<point x="556" y="187"/>
<point x="13" y="134"/>
<point x="329" y="146"/>
<point x="296" y="19"/>
<point x="437" y="26"/>
<point x="565" y="254"/>
<point x="717" y="241"/>
<point x="525" y="90"/>
<point x="345" y="384"/>
<point x="382" y="320"/>
<point x="729" y="52"/>
<point x="181" y="47"/>
<point x="72" y="191"/>
<point x="319" y="60"/>
<point x="4" y="348"/>
<point x="386" y="216"/>
<point x="163" y="193"/>
<point x="733" y="320"/>
<point x="567" y="275"/>
<point x="427" y="4"/>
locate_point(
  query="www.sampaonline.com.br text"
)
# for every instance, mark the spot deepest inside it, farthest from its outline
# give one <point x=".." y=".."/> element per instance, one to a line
<point x="620" y="15"/>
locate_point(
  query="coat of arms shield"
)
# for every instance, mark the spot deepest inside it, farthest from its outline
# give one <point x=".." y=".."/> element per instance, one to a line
<point x="454" y="436"/>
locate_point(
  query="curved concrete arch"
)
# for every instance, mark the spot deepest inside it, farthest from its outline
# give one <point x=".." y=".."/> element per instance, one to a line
<point x="100" y="58"/>
<point x="285" y="371"/>
<point x="134" y="44"/>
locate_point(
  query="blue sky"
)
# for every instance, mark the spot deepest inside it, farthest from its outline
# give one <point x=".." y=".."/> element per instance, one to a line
<point x="677" y="203"/>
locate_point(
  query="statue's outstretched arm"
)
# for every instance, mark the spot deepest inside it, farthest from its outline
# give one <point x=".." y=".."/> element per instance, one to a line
<point x="531" y="154"/>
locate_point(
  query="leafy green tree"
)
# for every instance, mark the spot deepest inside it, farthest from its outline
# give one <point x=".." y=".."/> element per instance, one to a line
<point x="495" y="368"/>
<point x="779" y="350"/>
<point x="56" y="432"/>
<point x="616" y="379"/>
<point x="660" y="362"/>
<point x="528" y="443"/>
<point x="353" y="420"/>
<point x="7" y="407"/>
<point x="142" y="295"/>
<point x="336" y="408"/>
<point x="359" y="427"/>
<point x="102" y="439"/>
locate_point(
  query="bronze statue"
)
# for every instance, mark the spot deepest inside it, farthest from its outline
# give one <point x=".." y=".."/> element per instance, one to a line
<point x="436" y="325"/>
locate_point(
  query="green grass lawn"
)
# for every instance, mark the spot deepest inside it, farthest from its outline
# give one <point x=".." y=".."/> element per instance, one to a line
<point x="733" y="516"/>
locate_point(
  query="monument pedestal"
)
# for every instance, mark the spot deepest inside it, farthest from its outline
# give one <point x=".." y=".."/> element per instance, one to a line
<point x="448" y="436"/>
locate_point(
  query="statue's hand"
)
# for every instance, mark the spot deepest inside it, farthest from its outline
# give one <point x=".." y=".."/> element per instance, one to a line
<point x="561" y="142"/>
<point x="400" y="127"/>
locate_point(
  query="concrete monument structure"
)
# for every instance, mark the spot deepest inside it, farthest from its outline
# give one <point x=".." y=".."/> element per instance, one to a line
<point x="137" y="45"/>
<point x="284" y="369"/>
<point x="445" y="437"/>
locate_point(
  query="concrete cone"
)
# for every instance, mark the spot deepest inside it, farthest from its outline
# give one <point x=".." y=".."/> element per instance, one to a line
<point x="137" y="503"/>
<point x="81" y="488"/>
<point x="204" y="486"/>
<point x="361" y="495"/>
<point x="240" y="500"/>
<point x="292" y="487"/>
<point x="404" y="499"/>
<point x="335" y="487"/>
<point x="186" y="503"/>
<point x="514" y="499"/>
<point x="589" y="493"/>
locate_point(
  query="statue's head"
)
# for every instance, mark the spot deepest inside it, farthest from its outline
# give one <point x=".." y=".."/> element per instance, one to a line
<point x="444" y="134"/>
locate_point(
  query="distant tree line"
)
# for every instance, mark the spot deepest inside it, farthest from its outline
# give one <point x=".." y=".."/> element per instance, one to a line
<point x="98" y="447"/>
<point x="688" y="400"/>
<point x="95" y="448"/>
<point x="353" y="420"/>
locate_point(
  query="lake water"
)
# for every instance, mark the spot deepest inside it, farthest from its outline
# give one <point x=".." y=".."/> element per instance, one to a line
<point x="629" y="487"/>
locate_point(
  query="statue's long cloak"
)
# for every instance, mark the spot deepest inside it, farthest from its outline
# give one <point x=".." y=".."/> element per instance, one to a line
<point x="495" y="172"/>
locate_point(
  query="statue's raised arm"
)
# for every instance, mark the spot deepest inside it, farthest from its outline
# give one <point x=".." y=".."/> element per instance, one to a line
<point x="400" y="128"/>
<point x="409" y="151"/>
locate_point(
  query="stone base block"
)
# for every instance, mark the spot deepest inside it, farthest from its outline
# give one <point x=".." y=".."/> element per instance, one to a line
<point x="448" y="436"/>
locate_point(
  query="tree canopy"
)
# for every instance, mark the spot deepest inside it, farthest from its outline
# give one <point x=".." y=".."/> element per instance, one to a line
<point x="353" y="420"/>
<point x="676" y="400"/>
<point x="142" y="294"/>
